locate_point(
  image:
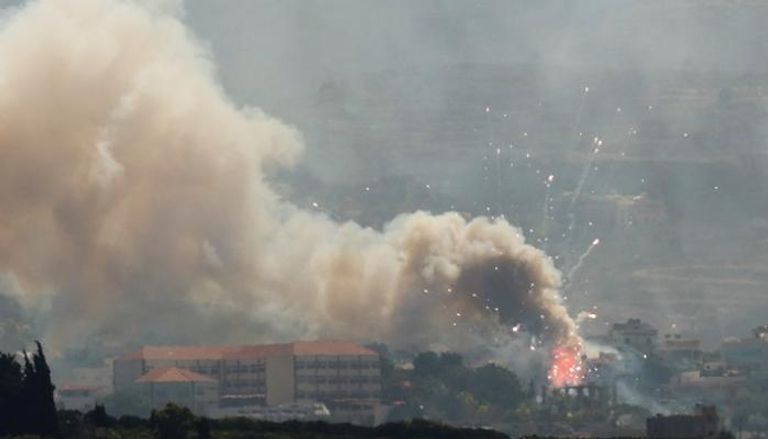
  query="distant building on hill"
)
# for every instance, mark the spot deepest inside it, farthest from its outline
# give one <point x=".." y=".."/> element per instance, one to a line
<point x="74" y="397"/>
<point x="677" y="349"/>
<point x="750" y="354"/>
<point x="344" y="376"/>
<point x="635" y="334"/>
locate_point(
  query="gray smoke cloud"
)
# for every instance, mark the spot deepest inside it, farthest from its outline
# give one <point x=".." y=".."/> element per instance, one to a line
<point x="134" y="204"/>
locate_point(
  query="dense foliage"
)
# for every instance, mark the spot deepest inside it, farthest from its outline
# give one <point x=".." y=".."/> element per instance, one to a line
<point x="441" y="386"/>
<point x="26" y="395"/>
<point x="174" y="422"/>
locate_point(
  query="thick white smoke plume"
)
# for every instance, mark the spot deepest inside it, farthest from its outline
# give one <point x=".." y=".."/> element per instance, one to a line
<point x="133" y="203"/>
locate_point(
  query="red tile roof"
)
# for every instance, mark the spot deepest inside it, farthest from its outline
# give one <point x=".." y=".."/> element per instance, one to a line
<point x="299" y="348"/>
<point x="173" y="375"/>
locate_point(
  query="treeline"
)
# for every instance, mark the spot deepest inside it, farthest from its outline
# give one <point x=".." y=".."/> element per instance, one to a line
<point x="26" y="395"/>
<point x="442" y="386"/>
<point x="174" y="422"/>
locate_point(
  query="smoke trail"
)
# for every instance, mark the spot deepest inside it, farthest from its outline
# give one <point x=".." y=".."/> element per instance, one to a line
<point x="596" y="144"/>
<point x="133" y="204"/>
<point x="580" y="262"/>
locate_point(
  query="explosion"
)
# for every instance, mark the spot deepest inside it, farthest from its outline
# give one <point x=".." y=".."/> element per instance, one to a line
<point x="566" y="367"/>
<point x="133" y="190"/>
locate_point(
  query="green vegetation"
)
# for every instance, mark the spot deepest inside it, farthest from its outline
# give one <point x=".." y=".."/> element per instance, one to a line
<point x="174" y="422"/>
<point x="441" y="386"/>
<point x="26" y="396"/>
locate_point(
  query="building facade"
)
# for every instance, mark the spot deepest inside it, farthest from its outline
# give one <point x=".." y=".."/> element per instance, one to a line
<point x="344" y="376"/>
<point x="635" y="334"/>
<point x="162" y="385"/>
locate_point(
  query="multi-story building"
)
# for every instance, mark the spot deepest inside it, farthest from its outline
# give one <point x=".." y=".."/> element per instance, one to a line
<point x="162" y="385"/>
<point x="635" y="334"/>
<point x="748" y="354"/>
<point x="342" y="375"/>
<point x="680" y="350"/>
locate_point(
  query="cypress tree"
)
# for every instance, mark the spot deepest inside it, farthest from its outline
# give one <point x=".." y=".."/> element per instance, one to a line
<point x="11" y="391"/>
<point x="47" y="422"/>
<point x="38" y="407"/>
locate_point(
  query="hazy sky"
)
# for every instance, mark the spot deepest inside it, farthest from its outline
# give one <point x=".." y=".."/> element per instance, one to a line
<point x="271" y="48"/>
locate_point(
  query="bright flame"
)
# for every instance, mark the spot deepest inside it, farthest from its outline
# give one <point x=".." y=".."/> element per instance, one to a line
<point x="567" y="368"/>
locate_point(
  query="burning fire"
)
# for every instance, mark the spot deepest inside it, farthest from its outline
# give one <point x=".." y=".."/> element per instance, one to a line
<point x="566" y="368"/>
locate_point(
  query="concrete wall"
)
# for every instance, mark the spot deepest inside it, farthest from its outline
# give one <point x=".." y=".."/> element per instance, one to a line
<point x="281" y="384"/>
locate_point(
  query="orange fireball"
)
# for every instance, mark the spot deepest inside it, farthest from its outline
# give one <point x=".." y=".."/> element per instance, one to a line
<point x="566" y="368"/>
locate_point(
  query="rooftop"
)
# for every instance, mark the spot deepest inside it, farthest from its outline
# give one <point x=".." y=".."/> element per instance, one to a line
<point x="634" y="325"/>
<point x="173" y="375"/>
<point x="299" y="348"/>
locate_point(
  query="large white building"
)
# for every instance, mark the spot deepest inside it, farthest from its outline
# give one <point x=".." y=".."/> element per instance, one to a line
<point x="344" y="376"/>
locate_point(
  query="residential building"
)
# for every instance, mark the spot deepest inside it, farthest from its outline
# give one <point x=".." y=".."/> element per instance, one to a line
<point x="749" y="354"/>
<point x="73" y="397"/>
<point x="635" y="334"/>
<point x="680" y="350"/>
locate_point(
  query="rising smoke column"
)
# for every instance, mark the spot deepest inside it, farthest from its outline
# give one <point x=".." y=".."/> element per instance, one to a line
<point x="133" y="203"/>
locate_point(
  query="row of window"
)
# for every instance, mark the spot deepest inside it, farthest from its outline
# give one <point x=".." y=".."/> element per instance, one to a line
<point x="243" y="383"/>
<point x="333" y="364"/>
<point x="246" y="368"/>
<point x="337" y="395"/>
<point x="314" y="379"/>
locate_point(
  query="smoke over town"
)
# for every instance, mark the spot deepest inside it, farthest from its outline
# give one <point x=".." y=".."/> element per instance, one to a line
<point x="135" y="203"/>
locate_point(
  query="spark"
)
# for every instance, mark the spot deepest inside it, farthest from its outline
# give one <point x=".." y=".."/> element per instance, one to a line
<point x="566" y="368"/>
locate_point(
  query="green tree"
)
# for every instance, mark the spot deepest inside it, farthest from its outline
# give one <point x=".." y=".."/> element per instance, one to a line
<point x="203" y="428"/>
<point x="11" y="391"/>
<point x="497" y="385"/>
<point x="98" y="417"/>
<point x="172" y="421"/>
<point x="26" y="396"/>
<point x="426" y="364"/>
<point x="47" y="421"/>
